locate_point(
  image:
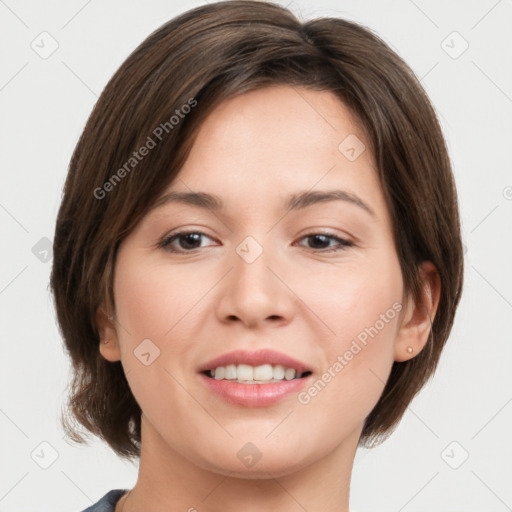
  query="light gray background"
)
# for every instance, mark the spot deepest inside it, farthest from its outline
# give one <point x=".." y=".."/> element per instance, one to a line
<point x="465" y="411"/>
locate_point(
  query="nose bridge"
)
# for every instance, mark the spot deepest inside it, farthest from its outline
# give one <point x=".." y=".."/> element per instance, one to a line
<point x="253" y="293"/>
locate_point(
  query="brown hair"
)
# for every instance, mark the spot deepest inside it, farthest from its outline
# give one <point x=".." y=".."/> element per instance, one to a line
<point x="198" y="59"/>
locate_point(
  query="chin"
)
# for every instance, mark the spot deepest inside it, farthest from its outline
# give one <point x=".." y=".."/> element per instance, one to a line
<point x="248" y="463"/>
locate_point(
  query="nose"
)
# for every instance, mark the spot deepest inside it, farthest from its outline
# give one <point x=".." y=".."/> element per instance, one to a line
<point x="256" y="293"/>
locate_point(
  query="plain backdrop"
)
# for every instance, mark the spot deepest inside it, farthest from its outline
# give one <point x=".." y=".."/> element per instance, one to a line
<point x="452" y="450"/>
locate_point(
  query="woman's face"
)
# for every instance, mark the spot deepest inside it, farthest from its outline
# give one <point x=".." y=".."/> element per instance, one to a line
<point x="253" y="276"/>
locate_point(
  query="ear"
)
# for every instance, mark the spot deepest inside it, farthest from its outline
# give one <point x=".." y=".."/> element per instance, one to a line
<point x="417" y="318"/>
<point x="107" y="329"/>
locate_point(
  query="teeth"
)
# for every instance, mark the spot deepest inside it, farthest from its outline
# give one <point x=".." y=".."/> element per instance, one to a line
<point x="278" y="372"/>
<point x="289" y="374"/>
<point x="263" y="372"/>
<point x="244" y="372"/>
<point x="254" y="374"/>
<point x="220" y="372"/>
<point x="230" y="372"/>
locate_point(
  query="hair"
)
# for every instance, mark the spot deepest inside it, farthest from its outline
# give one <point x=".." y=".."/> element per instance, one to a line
<point x="189" y="66"/>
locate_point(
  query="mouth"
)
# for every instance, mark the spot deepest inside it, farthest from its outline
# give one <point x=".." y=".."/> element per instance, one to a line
<point x="246" y="391"/>
<point x="255" y="379"/>
<point x="257" y="367"/>
<point x="262" y="374"/>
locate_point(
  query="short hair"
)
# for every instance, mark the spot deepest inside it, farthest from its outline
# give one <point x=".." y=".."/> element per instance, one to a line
<point x="198" y="59"/>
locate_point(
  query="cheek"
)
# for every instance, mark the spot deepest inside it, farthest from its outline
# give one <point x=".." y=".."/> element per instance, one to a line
<point x="362" y="312"/>
<point x="151" y="300"/>
<point x="353" y="297"/>
<point x="151" y="309"/>
<point x="158" y="309"/>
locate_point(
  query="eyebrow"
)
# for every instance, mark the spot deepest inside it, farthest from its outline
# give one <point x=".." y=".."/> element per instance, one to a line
<point x="297" y="201"/>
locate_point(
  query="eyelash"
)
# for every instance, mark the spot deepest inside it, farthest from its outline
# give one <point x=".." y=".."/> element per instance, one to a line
<point x="165" y="243"/>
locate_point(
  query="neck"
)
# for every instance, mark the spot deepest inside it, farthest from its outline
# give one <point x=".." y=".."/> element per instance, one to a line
<point x="169" y="482"/>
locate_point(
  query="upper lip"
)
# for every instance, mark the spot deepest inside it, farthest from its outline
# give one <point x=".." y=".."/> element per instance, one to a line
<point x="256" y="358"/>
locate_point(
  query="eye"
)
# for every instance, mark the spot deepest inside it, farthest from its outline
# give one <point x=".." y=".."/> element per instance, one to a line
<point x="188" y="240"/>
<point x="323" y="240"/>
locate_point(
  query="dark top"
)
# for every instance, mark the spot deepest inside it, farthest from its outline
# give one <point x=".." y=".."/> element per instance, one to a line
<point x="108" y="502"/>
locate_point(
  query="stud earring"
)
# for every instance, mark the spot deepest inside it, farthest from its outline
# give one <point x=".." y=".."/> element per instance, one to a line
<point x="409" y="349"/>
<point x="106" y="341"/>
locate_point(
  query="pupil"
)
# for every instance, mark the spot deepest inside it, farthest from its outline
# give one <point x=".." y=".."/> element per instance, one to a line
<point x="188" y="237"/>
<point x="322" y="238"/>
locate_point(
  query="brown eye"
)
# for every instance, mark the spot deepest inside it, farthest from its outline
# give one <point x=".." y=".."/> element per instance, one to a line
<point x="187" y="241"/>
<point x="320" y="242"/>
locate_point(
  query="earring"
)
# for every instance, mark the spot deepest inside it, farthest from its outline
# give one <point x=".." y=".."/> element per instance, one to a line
<point x="106" y="341"/>
<point x="410" y="350"/>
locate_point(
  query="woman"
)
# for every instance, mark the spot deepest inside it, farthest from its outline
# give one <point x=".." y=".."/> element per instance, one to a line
<point x="257" y="259"/>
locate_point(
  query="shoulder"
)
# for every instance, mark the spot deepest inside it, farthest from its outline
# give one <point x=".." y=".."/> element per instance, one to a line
<point x="108" y="502"/>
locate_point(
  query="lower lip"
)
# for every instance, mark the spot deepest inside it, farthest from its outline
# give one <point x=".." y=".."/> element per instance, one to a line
<point x="254" y="395"/>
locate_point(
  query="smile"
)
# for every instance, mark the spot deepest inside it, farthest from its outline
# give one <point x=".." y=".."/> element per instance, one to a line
<point x="247" y="374"/>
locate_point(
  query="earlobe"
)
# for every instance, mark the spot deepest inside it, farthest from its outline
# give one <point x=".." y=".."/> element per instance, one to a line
<point x="416" y="328"/>
<point x="109" y="349"/>
<point x="109" y="344"/>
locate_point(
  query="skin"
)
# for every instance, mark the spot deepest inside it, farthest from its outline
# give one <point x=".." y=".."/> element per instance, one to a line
<point x="254" y="151"/>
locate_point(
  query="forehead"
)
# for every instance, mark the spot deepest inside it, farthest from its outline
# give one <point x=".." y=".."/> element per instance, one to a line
<point x="281" y="122"/>
<point x="269" y="143"/>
